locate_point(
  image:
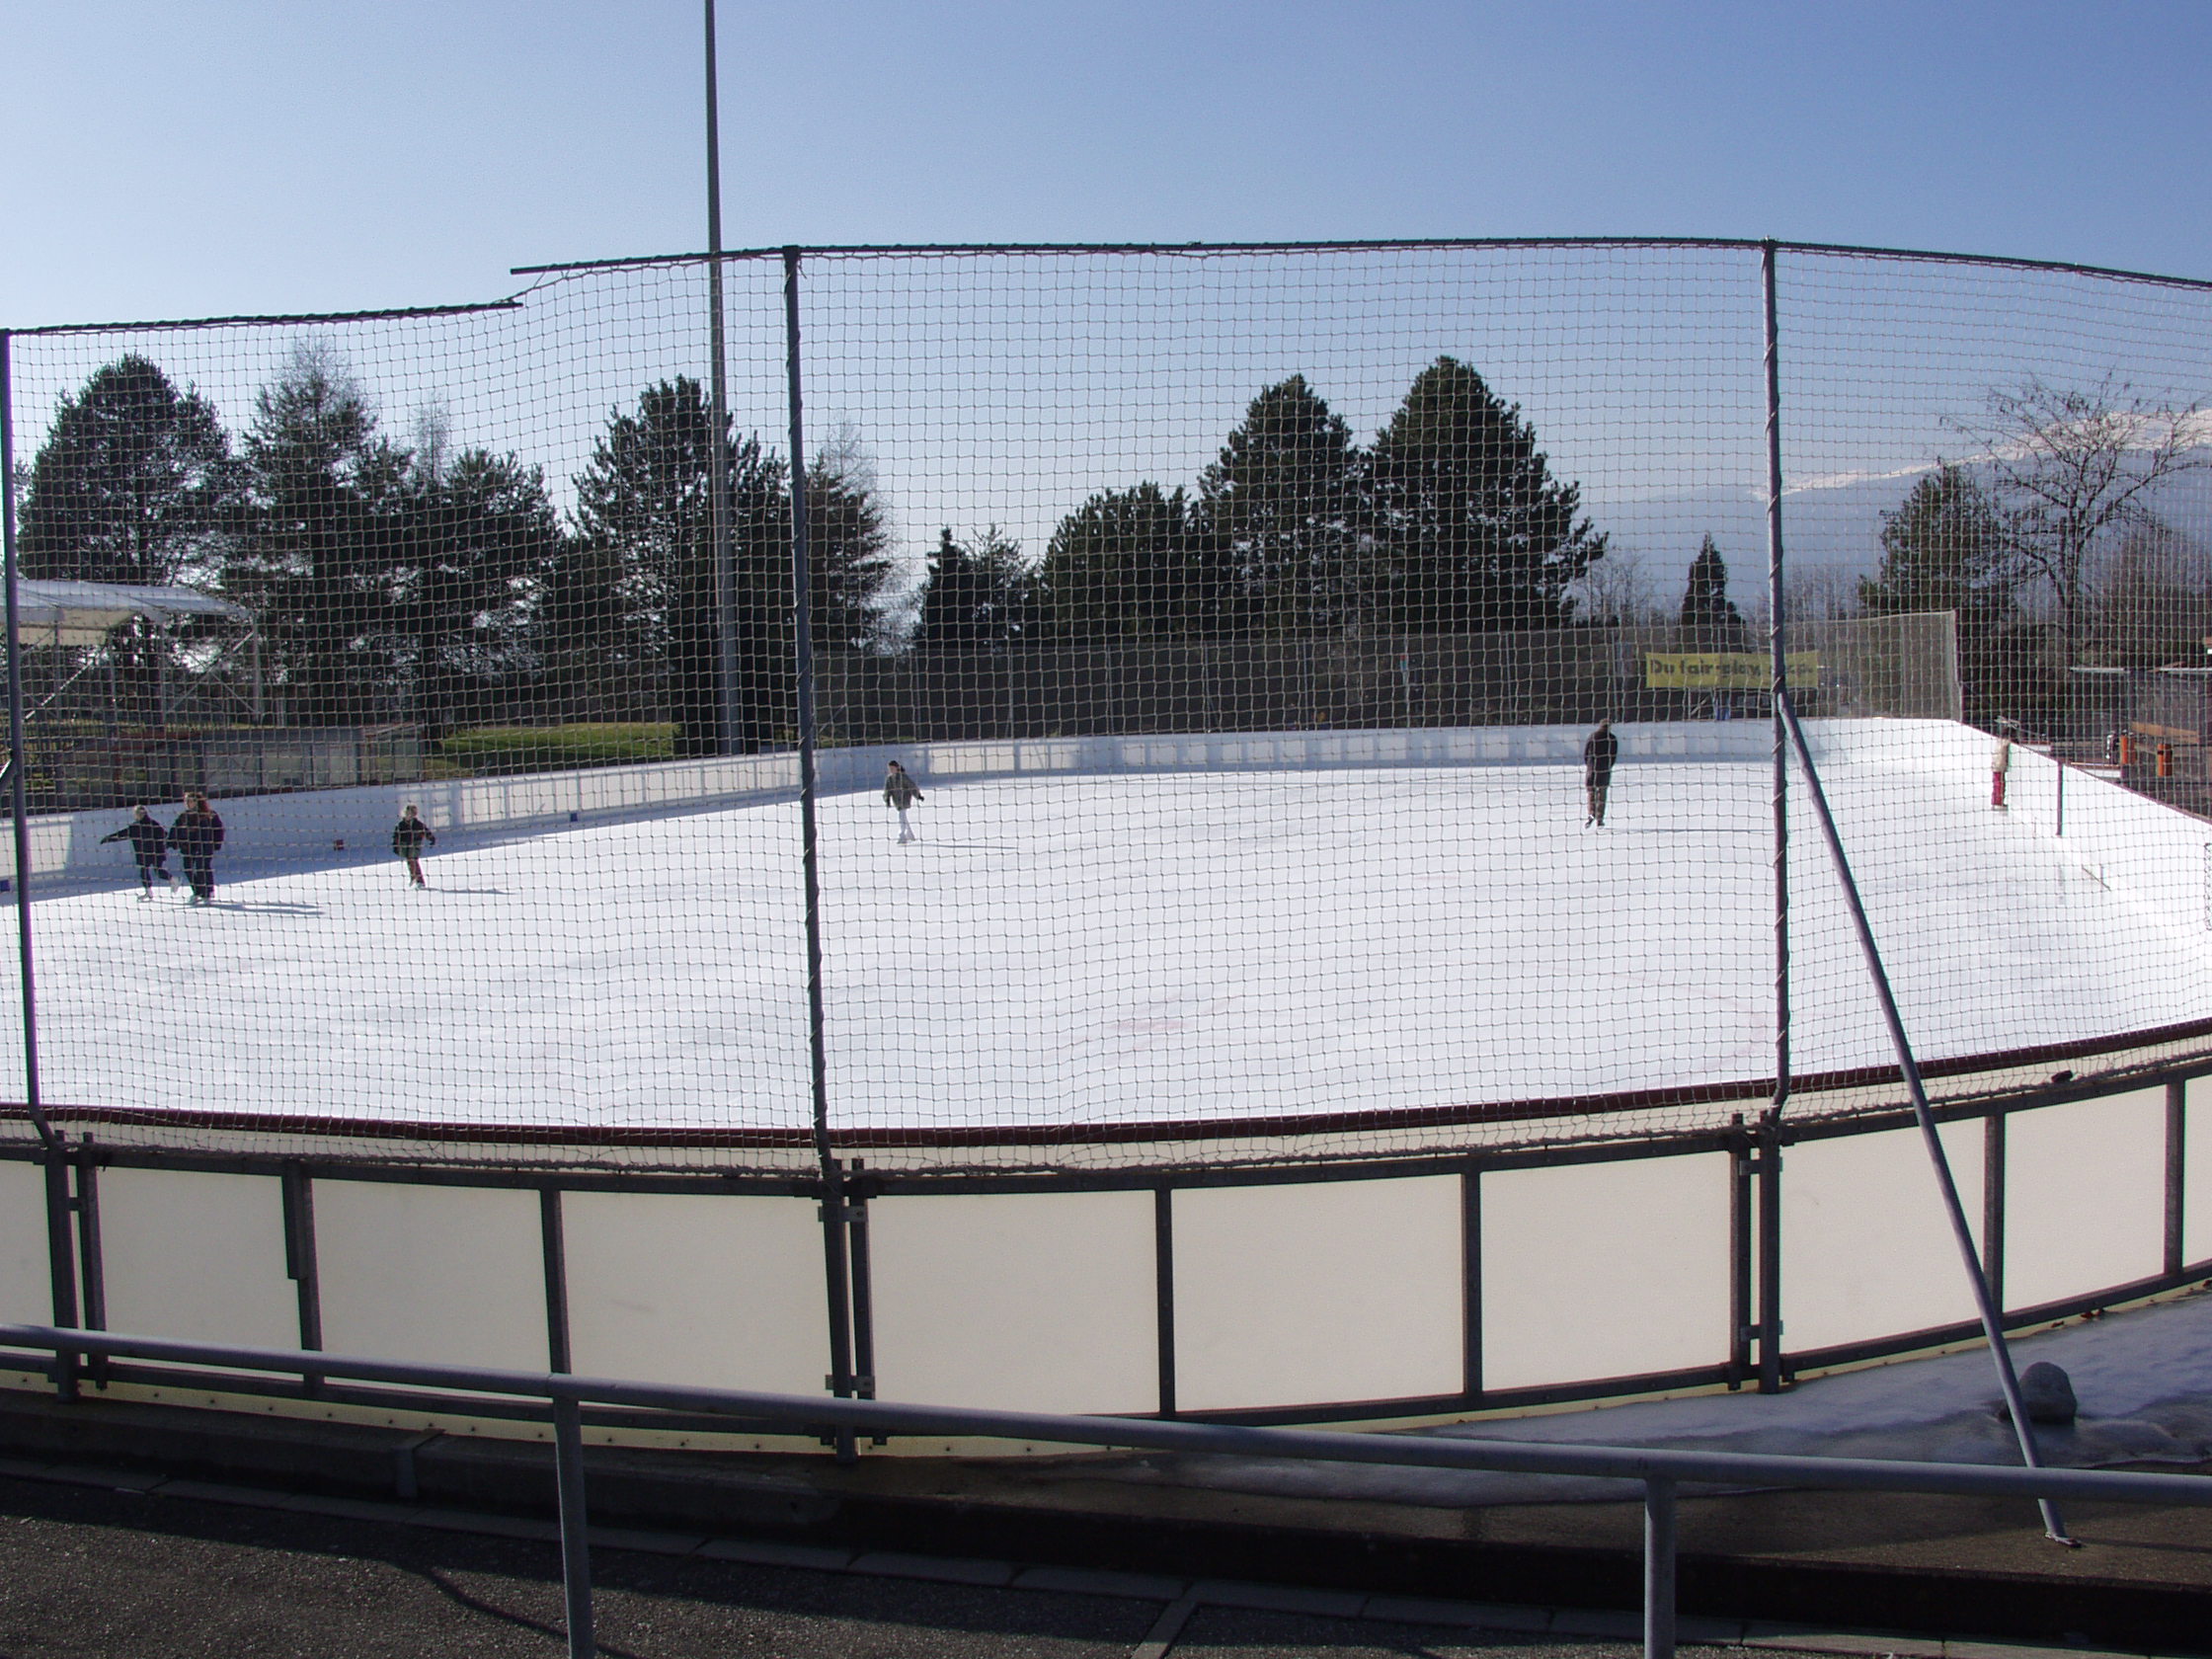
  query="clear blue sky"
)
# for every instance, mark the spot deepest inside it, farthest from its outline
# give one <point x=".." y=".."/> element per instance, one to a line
<point x="196" y="156"/>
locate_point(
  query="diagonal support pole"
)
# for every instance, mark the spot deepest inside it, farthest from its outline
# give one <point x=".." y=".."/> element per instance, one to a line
<point x="1993" y="1326"/>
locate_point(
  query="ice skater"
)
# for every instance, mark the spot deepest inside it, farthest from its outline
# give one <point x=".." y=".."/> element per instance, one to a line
<point x="409" y="836"/>
<point x="149" y="845"/>
<point x="197" y="835"/>
<point x="1598" y="757"/>
<point x="900" y="793"/>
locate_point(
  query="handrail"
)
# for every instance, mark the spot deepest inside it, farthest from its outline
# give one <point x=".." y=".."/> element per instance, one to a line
<point x="1660" y="1470"/>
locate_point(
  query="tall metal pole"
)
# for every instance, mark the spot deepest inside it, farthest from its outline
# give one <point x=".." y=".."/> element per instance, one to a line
<point x="61" y="1261"/>
<point x="1770" y="1155"/>
<point x="1985" y="1303"/>
<point x="728" y="738"/>
<point x="19" y="806"/>
<point x="836" y="1248"/>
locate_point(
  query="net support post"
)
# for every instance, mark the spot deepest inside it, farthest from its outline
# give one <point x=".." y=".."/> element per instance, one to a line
<point x="576" y="1541"/>
<point x="836" y="1240"/>
<point x="1471" y="1285"/>
<point x="61" y="1255"/>
<point x="91" y="1259"/>
<point x="1164" y="1293"/>
<point x="2176" y="1176"/>
<point x="1658" y="1567"/>
<point x="61" y="1263"/>
<point x="858" y="1266"/>
<point x="1741" y="1329"/>
<point x="1769" y="1140"/>
<point x="1767" y="1174"/>
<point x="300" y="1266"/>
<point x="1994" y="1128"/>
<point x="554" y="1258"/>
<point x="19" y="792"/>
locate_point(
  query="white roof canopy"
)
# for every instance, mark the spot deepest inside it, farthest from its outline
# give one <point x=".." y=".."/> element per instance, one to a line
<point x="80" y="613"/>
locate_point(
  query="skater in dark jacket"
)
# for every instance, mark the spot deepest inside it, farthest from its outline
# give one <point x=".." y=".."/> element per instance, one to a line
<point x="901" y="792"/>
<point x="149" y="845"/>
<point x="1598" y="757"/>
<point x="197" y="835"/>
<point x="409" y="836"/>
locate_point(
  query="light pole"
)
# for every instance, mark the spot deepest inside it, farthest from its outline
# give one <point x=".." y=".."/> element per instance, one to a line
<point x="728" y="740"/>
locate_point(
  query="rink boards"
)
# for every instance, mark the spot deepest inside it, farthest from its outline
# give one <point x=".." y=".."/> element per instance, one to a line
<point x="1336" y="1273"/>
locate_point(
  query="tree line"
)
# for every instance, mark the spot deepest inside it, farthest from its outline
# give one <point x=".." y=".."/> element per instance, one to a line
<point x="395" y="578"/>
<point x="413" y="579"/>
<point x="1450" y="520"/>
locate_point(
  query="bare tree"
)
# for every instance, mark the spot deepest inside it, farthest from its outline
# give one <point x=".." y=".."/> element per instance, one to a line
<point x="2070" y="466"/>
<point x="1616" y="591"/>
<point x="2153" y="601"/>
<point x="1814" y="594"/>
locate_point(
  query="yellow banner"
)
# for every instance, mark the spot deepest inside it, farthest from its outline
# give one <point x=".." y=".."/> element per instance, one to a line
<point x="1726" y="670"/>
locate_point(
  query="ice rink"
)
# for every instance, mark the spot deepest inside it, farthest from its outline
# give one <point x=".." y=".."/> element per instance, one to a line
<point x="1105" y="950"/>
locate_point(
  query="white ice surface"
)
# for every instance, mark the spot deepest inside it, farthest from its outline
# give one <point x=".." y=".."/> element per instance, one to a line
<point x="1104" y="949"/>
<point x="2143" y="1380"/>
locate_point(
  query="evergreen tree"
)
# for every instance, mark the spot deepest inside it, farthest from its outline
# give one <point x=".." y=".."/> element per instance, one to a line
<point x="1949" y="547"/>
<point x="136" y="483"/>
<point x="1130" y="564"/>
<point x="1706" y="610"/>
<point x="848" y="549"/>
<point x="645" y="520"/>
<point x="326" y="507"/>
<point x="638" y="596"/>
<point x="1280" y="508"/>
<point x="1472" y="531"/>
<point x="1945" y="548"/>
<point x="976" y="595"/>
<point x="485" y="542"/>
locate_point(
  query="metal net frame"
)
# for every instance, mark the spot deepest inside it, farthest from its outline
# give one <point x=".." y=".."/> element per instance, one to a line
<point x="1242" y="618"/>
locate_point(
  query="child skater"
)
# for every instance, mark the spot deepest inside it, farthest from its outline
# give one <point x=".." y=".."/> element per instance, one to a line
<point x="409" y="836"/>
<point x="149" y="845"/>
<point x="901" y="793"/>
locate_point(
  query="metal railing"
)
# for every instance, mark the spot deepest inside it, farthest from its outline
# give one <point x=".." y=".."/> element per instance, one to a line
<point x="1661" y="1471"/>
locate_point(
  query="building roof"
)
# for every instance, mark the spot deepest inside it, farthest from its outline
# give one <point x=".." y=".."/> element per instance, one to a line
<point x="80" y="613"/>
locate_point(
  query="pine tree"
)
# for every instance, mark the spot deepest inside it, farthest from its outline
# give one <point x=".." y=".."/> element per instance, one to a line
<point x="1706" y="610"/>
<point x="1130" y="564"/>
<point x="136" y="483"/>
<point x="1280" y="508"/>
<point x="1949" y="547"/>
<point x="645" y="529"/>
<point x="485" y="542"/>
<point x="326" y="501"/>
<point x="976" y="595"/>
<point x="1473" y="532"/>
<point x="1945" y="548"/>
<point x="639" y="592"/>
